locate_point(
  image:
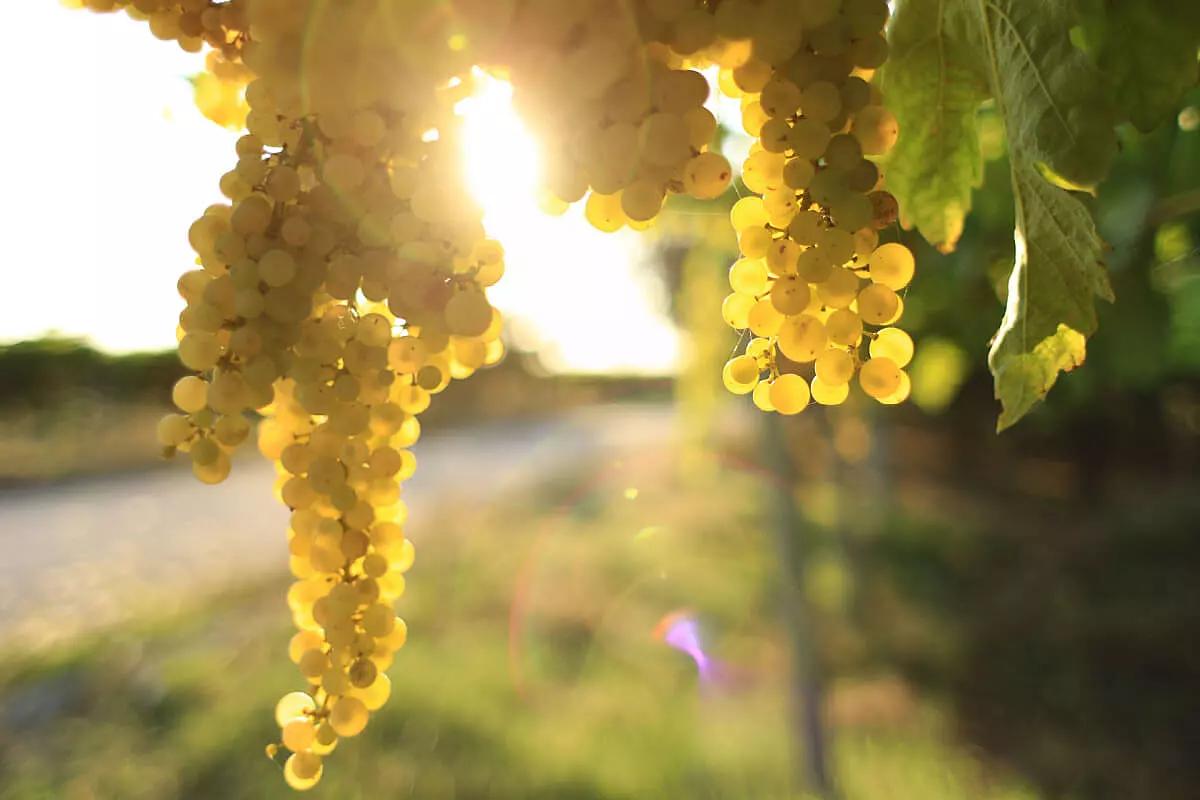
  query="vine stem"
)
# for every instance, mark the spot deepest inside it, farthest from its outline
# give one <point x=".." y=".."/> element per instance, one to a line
<point x="806" y="695"/>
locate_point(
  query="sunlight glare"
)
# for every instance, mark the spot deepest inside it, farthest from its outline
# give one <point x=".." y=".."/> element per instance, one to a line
<point x="577" y="296"/>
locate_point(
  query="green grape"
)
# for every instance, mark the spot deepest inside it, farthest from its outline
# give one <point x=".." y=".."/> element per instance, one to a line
<point x="843" y="152"/>
<point x="809" y="137"/>
<point x="735" y="310"/>
<point x="762" y="397"/>
<point x="780" y="97"/>
<point x="821" y="101"/>
<point x="798" y="172"/>
<point x="775" y="134"/>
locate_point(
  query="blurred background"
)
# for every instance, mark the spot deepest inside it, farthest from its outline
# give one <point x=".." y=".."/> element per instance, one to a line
<point x="623" y="576"/>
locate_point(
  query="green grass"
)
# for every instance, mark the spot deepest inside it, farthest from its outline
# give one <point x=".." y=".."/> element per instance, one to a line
<point x="531" y="672"/>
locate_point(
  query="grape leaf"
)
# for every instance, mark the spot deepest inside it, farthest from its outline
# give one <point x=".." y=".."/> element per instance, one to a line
<point x="1148" y="48"/>
<point x="934" y="85"/>
<point x="1057" y="113"/>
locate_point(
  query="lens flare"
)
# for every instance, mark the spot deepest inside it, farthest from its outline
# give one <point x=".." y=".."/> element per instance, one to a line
<point x="681" y="630"/>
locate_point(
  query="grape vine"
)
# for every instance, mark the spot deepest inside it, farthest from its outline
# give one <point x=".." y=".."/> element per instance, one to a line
<point x="344" y="283"/>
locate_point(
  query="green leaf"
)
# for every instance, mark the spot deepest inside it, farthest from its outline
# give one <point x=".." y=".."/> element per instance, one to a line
<point x="1050" y="308"/>
<point x="1055" y="102"/>
<point x="1148" y="48"/>
<point x="1022" y="381"/>
<point x="1057" y="114"/>
<point x="934" y="84"/>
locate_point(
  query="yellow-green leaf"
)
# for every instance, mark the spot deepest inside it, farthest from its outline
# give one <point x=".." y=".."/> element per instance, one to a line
<point x="1023" y="380"/>
<point x="1056" y="113"/>
<point x="934" y="83"/>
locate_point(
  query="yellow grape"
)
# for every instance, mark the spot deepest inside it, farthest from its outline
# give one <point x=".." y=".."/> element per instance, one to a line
<point x="877" y="304"/>
<point x="748" y="276"/>
<point x="801" y="338"/>
<point x="789" y="394"/>
<point x="880" y="377"/>
<point x="828" y="395"/>
<point x="894" y="344"/>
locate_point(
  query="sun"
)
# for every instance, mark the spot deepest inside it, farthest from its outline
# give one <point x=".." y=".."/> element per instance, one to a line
<point x="581" y="298"/>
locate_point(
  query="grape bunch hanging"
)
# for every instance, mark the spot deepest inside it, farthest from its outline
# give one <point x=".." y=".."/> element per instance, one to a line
<point x="344" y="283"/>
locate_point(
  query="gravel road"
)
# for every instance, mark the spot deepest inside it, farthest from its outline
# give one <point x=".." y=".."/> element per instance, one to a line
<point x="89" y="553"/>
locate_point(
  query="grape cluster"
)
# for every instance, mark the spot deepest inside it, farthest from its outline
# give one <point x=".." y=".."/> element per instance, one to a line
<point x="621" y="123"/>
<point x="342" y="285"/>
<point x="813" y="284"/>
<point x="345" y="280"/>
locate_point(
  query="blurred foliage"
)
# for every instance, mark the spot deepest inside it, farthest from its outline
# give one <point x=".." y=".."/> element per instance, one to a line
<point x="1068" y="654"/>
<point x="532" y="671"/>
<point x="53" y="371"/>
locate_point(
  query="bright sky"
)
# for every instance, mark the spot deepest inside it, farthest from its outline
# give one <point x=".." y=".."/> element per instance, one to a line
<point x="107" y="163"/>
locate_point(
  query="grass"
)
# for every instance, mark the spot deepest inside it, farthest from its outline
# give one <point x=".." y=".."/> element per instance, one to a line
<point x="531" y="672"/>
<point x="83" y="438"/>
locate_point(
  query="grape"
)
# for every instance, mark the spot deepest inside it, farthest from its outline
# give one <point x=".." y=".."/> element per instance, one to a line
<point x="754" y="242"/>
<point x="834" y="367"/>
<point x="839" y="289"/>
<point x="605" y="212"/>
<point x="748" y="276"/>
<point x="798" y="172"/>
<point x="190" y="394"/>
<point x="876" y="130"/>
<point x="740" y="375"/>
<point x="900" y="394"/>
<point x="893" y="344"/>
<point x="762" y="397"/>
<point x="790" y="295"/>
<point x="735" y="310"/>
<point x="789" y="394"/>
<point x="748" y="212"/>
<point x="844" y="327"/>
<point x="302" y="771"/>
<point x="891" y="265"/>
<point x="828" y="395"/>
<point x="641" y="201"/>
<point x="707" y="176"/>
<point x="879" y="377"/>
<point x="764" y="318"/>
<point x="821" y="101"/>
<point x="809" y="137"/>
<point x="884" y="209"/>
<point x="877" y="304"/>
<point x="780" y="97"/>
<point x="801" y="338"/>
